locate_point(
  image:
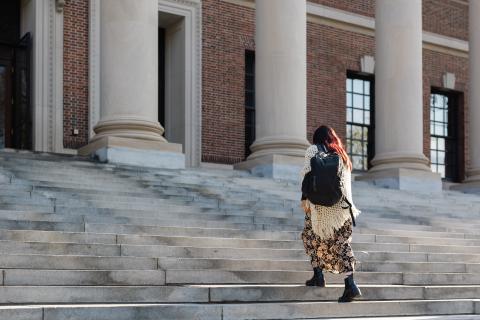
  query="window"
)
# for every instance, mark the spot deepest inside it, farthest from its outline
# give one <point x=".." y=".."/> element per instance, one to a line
<point x="360" y="102"/>
<point x="443" y="135"/>
<point x="249" y="100"/>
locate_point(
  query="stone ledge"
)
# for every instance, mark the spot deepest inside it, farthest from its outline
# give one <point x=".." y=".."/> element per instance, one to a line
<point x="145" y="153"/>
<point x="274" y="166"/>
<point x="404" y="179"/>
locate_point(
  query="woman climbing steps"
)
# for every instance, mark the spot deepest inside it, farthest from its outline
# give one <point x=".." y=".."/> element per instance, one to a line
<point x="328" y="229"/>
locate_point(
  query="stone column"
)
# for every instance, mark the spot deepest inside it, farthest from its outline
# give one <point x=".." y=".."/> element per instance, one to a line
<point x="399" y="161"/>
<point x="128" y="131"/>
<point x="473" y="170"/>
<point x="280" y="89"/>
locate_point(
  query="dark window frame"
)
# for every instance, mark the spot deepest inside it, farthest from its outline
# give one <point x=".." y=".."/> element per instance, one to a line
<point x="453" y="141"/>
<point x="369" y="139"/>
<point x="249" y="100"/>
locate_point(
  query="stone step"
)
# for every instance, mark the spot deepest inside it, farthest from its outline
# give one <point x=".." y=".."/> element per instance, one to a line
<point x="218" y="277"/>
<point x="31" y="277"/>
<point x="333" y="309"/>
<point x="141" y="217"/>
<point x="57" y="236"/>
<point x="367" y="259"/>
<point x="208" y="276"/>
<point x="72" y="262"/>
<point x="192" y="231"/>
<point x="412" y="233"/>
<point x="216" y="242"/>
<point x="253" y="293"/>
<point x="14" y="295"/>
<point x="437" y="317"/>
<point x="105" y="294"/>
<point x="58" y="248"/>
<point x="210" y="252"/>
<point x="252" y="311"/>
<point x="424" y="267"/>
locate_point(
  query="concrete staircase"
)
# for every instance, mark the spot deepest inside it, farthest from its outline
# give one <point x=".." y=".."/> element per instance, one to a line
<point x="82" y="240"/>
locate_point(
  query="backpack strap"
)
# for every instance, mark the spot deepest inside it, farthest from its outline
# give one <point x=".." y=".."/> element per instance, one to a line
<point x="322" y="148"/>
<point x="350" y="207"/>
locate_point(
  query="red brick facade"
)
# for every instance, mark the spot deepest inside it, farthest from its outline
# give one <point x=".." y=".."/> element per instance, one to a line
<point x="228" y="30"/>
<point x="75" y="74"/>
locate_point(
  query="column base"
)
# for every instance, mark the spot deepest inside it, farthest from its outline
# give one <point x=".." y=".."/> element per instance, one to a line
<point x="404" y="179"/>
<point x="143" y="153"/>
<point x="274" y="166"/>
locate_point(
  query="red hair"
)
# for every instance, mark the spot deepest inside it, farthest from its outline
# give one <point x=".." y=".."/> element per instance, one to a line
<point x="327" y="136"/>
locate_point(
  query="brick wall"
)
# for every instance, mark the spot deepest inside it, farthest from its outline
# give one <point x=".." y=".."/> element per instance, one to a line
<point x="449" y="18"/>
<point x="445" y="17"/>
<point x="330" y="54"/>
<point x="75" y="74"/>
<point x="362" y="7"/>
<point x="228" y="31"/>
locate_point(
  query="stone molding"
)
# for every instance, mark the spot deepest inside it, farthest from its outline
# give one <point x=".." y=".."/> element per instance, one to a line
<point x="367" y="64"/>
<point x="129" y="128"/>
<point x="448" y="80"/>
<point x="47" y="80"/>
<point x="393" y="160"/>
<point x="94" y="66"/>
<point x="126" y="142"/>
<point x="60" y="4"/>
<point x="278" y="146"/>
<point x="357" y="23"/>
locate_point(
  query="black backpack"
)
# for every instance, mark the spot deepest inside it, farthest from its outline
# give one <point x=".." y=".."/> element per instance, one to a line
<point x="323" y="185"/>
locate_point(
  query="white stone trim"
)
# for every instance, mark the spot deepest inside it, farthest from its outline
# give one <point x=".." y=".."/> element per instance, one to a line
<point x="60" y="5"/>
<point x="436" y="42"/>
<point x="353" y="22"/>
<point x="448" y="80"/>
<point x="192" y="11"/>
<point x="333" y="14"/>
<point x="367" y="64"/>
<point x="94" y="66"/>
<point x="57" y="87"/>
<point x="47" y="77"/>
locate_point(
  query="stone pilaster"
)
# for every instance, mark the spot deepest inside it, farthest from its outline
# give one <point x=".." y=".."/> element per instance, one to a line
<point x="280" y="89"/>
<point x="128" y="131"/>
<point x="399" y="161"/>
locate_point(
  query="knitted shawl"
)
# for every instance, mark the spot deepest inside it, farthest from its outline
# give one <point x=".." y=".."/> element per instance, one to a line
<point x="326" y="220"/>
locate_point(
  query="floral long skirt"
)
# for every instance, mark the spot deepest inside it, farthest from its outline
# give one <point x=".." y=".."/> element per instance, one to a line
<point x="334" y="254"/>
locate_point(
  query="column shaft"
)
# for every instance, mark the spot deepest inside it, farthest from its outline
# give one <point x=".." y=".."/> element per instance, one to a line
<point x="399" y="161"/>
<point x="128" y="131"/>
<point x="129" y="70"/>
<point x="280" y="78"/>
<point x="473" y="171"/>
<point x="398" y="81"/>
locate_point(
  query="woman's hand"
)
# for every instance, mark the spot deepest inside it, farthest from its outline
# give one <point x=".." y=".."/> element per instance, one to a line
<point x="305" y="206"/>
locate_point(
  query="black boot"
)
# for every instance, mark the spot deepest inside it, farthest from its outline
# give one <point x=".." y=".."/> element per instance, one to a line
<point x="351" y="290"/>
<point x="317" y="280"/>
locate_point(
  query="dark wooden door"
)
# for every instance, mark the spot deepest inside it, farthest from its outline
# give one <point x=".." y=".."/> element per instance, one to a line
<point x="6" y="95"/>
<point x="22" y="109"/>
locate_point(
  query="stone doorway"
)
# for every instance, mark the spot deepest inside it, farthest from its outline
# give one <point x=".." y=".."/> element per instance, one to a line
<point x="171" y="97"/>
